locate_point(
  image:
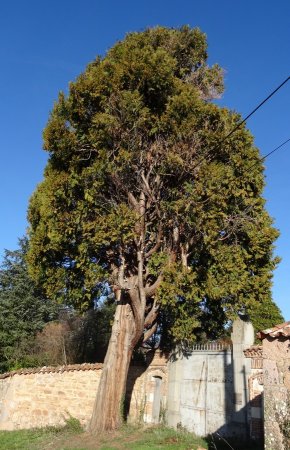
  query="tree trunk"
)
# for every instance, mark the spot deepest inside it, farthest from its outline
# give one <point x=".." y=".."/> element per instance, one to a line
<point x="107" y="412"/>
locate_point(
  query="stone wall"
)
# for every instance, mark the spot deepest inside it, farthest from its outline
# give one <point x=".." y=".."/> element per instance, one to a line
<point x="256" y="393"/>
<point x="212" y="389"/>
<point x="276" y="355"/>
<point x="147" y="391"/>
<point x="36" y="399"/>
<point x="48" y="396"/>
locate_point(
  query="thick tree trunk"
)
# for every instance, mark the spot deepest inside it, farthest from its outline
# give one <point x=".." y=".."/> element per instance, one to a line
<point x="107" y="413"/>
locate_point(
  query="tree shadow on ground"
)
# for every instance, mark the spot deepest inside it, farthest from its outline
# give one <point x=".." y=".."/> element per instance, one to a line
<point x="217" y="442"/>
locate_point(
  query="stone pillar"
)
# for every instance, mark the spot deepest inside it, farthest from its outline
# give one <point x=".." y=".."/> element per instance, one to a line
<point x="242" y="338"/>
<point x="276" y="354"/>
<point x="175" y="379"/>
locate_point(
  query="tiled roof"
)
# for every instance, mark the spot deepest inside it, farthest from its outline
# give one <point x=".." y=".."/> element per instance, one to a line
<point x="282" y="330"/>
<point x="51" y="369"/>
<point x="256" y="351"/>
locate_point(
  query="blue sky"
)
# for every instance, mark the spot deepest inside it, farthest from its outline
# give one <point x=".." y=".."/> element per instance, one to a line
<point x="46" y="44"/>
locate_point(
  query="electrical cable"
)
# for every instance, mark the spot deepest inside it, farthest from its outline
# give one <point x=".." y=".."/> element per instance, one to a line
<point x="268" y="154"/>
<point x="249" y="208"/>
<point x="243" y="121"/>
<point x="258" y="107"/>
<point x="275" y="149"/>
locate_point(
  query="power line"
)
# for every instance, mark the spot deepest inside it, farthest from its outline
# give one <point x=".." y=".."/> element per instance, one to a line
<point x="239" y="125"/>
<point x="265" y="157"/>
<point x="268" y="154"/>
<point x="275" y="150"/>
<point x="249" y="208"/>
<point x="257" y="107"/>
<point x="239" y="203"/>
<point x="243" y="121"/>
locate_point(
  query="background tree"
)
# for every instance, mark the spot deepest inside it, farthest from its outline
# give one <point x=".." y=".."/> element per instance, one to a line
<point x="35" y="331"/>
<point x="139" y="194"/>
<point x="76" y="338"/>
<point x="71" y="338"/>
<point x="24" y="310"/>
<point x="264" y="314"/>
<point x="92" y="333"/>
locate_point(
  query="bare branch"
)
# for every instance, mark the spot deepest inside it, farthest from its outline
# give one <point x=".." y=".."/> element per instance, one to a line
<point x="121" y="272"/>
<point x="150" y="332"/>
<point x="158" y="242"/>
<point x="152" y="315"/>
<point x="138" y="314"/>
<point x="132" y="200"/>
<point x="150" y="290"/>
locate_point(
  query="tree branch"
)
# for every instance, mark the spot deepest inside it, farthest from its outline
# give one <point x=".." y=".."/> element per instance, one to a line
<point x="121" y="273"/>
<point x="150" y="290"/>
<point x="150" y="332"/>
<point x="152" y="315"/>
<point x="131" y="199"/>
<point x="157" y="244"/>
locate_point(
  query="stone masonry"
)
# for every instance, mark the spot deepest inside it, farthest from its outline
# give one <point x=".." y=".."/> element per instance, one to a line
<point x="276" y="358"/>
<point x="32" y="398"/>
<point x="213" y="389"/>
<point x="46" y="398"/>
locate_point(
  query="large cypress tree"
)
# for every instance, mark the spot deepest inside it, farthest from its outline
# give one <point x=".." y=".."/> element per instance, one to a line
<point x="139" y="193"/>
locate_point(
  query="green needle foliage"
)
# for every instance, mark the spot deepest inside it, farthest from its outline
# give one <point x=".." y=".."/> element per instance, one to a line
<point x="138" y="192"/>
<point x="23" y="309"/>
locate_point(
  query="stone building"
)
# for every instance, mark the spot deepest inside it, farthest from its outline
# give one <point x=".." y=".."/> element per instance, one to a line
<point x="276" y="361"/>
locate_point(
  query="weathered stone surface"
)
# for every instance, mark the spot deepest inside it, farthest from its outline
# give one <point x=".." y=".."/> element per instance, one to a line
<point x="276" y="395"/>
<point x="48" y="396"/>
<point x="216" y="388"/>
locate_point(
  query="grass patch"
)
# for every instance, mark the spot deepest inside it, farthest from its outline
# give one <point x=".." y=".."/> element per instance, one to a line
<point x="23" y="439"/>
<point x="151" y="438"/>
<point x="166" y="438"/>
<point x="71" y="437"/>
<point x="128" y="437"/>
<point x="40" y="438"/>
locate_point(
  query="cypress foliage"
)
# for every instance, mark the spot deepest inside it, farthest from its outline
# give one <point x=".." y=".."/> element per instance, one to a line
<point x="139" y="194"/>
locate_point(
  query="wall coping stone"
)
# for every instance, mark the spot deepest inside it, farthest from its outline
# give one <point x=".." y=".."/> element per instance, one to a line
<point x="53" y="369"/>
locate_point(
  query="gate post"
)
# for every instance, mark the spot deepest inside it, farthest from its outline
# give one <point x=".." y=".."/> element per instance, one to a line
<point x="242" y="338"/>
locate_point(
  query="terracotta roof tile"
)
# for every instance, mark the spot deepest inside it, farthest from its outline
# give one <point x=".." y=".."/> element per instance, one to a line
<point x="53" y="369"/>
<point x="256" y="351"/>
<point x="282" y="330"/>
